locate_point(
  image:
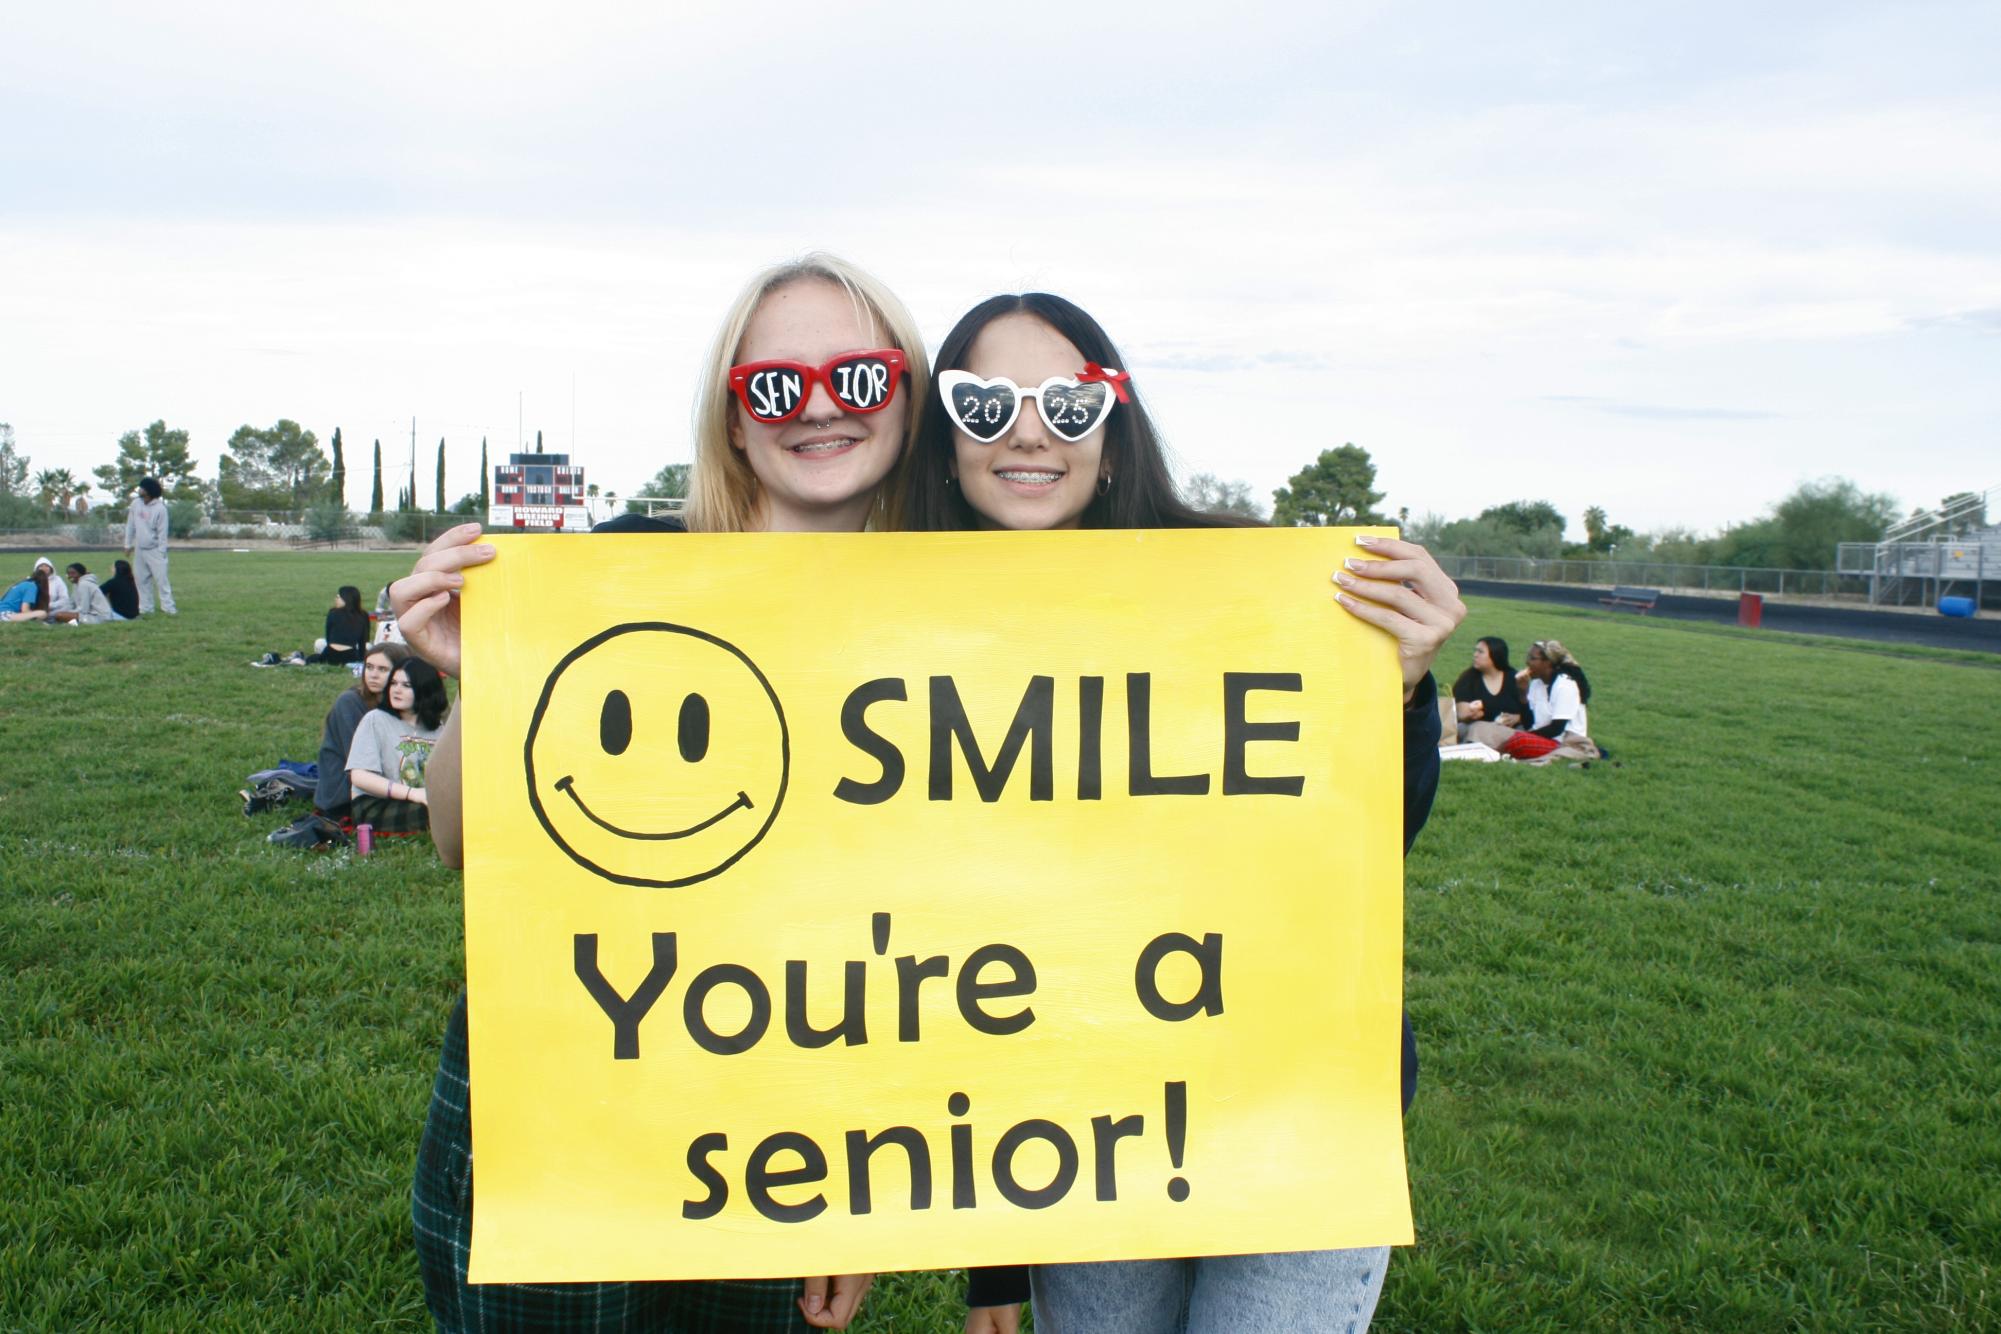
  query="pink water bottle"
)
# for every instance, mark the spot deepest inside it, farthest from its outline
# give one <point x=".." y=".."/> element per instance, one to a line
<point x="364" y="839"/>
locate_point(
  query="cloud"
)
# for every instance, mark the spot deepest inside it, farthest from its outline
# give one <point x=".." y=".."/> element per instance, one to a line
<point x="1217" y="361"/>
<point x="1654" y="412"/>
<point x="1986" y="321"/>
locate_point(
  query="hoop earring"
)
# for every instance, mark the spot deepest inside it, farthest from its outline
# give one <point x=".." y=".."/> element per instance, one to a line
<point x="1104" y="483"/>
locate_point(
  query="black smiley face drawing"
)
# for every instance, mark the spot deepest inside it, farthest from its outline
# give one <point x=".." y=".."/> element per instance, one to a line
<point x="658" y="755"/>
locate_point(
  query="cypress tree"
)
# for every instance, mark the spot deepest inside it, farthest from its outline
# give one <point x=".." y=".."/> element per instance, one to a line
<point x="441" y="476"/>
<point x="337" y="483"/>
<point x="485" y="496"/>
<point x="375" y="495"/>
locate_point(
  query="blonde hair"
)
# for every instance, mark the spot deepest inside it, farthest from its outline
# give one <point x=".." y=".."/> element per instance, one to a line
<point x="722" y="489"/>
<point x="1554" y="650"/>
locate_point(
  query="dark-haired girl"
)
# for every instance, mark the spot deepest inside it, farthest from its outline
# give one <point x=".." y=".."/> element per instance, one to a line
<point x="333" y="796"/>
<point x="27" y="600"/>
<point x="1487" y="691"/>
<point x="392" y="744"/>
<point x="347" y="629"/>
<point x="1035" y="425"/>
<point x="122" y="591"/>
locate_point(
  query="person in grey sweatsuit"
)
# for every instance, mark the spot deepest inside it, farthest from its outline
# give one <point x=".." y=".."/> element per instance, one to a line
<point x="88" y="605"/>
<point x="146" y="543"/>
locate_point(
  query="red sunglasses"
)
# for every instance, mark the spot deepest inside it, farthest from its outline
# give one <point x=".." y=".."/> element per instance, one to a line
<point x="776" y="391"/>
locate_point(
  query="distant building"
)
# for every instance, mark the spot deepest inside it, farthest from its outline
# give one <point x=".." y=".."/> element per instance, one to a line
<point x="539" y="493"/>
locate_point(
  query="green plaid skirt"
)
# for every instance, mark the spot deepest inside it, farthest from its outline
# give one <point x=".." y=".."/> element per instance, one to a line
<point x="391" y="817"/>
<point x="441" y="1209"/>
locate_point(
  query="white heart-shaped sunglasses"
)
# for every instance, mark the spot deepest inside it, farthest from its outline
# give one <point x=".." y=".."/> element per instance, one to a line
<point x="1071" y="406"/>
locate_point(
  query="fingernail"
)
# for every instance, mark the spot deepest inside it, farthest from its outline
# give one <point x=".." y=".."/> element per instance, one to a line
<point x="1367" y="541"/>
<point x="1344" y="599"/>
<point x="1345" y="580"/>
<point x="813" y="1304"/>
<point x="1354" y="562"/>
<point x="457" y="580"/>
<point x="485" y="549"/>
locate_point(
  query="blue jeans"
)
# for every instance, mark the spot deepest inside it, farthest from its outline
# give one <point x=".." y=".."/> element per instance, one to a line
<point x="1218" y="1294"/>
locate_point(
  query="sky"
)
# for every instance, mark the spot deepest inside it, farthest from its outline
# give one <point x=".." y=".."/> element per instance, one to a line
<point x="1669" y="260"/>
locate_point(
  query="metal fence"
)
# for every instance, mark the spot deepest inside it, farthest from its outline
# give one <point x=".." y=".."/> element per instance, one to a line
<point x="1659" y="574"/>
<point x="396" y="528"/>
<point x="392" y="529"/>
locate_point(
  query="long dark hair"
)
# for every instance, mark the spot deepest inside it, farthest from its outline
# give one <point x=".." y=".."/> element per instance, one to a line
<point x="1497" y="653"/>
<point x="427" y="692"/>
<point x="1576" y="673"/>
<point x="350" y="599"/>
<point x="41" y="579"/>
<point x="1142" y="494"/>
<point x="1562" y="664"/>
<point x="121" y="569"/>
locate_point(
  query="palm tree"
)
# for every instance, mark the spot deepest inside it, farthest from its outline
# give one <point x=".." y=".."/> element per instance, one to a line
<point x="58" y="488"/>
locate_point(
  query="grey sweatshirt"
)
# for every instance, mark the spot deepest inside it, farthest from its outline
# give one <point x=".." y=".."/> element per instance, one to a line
<point x="146" y="525"/>
<point x="92" y="607"/>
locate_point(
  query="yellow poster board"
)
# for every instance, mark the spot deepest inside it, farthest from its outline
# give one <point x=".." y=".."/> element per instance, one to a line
<point x="894" y="901"/>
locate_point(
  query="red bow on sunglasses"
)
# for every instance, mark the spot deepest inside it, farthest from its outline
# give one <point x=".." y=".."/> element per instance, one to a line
<point x="1093" y="373"/>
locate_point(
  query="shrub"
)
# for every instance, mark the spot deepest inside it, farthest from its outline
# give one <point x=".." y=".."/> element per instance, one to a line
<point x="184" y="517"/>
<point x="329" y="523"/>
<point x="24" y="512"/>
<point x="404" y="526"/>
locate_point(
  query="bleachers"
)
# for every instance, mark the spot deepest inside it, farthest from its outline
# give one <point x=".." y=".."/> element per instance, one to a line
<point x="1943" y="552"/>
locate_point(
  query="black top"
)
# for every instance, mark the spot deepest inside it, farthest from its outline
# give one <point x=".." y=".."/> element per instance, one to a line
<point x="1508" y="699"/>
<point x="347" y="627"/>
<point x="123" y="595"/>
<point x="639" y="523"/>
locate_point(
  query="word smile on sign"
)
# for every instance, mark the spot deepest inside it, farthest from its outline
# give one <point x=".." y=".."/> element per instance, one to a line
<point x="1034" y="728"/>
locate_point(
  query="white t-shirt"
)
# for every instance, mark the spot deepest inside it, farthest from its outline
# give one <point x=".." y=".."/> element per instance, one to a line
<point x="1557" y="698"/>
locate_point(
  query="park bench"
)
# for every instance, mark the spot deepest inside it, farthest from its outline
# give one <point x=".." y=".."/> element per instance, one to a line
<point x="1641" y="600"/>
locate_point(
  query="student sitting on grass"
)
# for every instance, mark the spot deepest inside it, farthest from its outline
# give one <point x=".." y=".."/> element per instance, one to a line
<point x="346" y="629"/>
<point x="122" y="592"/>
<point x="27" y="600"/>
<point x="87" y="602"/>
<point x="1558" y="721"/>
<point x="1487" y="691"/>
<point x="345" y="639"/>
<point x="332" y="796"/>
<point x="58" y="590"/>
<point x="392" y="744"/>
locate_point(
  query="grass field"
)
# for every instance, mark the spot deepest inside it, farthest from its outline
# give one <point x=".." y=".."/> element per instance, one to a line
<point x="1710" y="1038"/>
